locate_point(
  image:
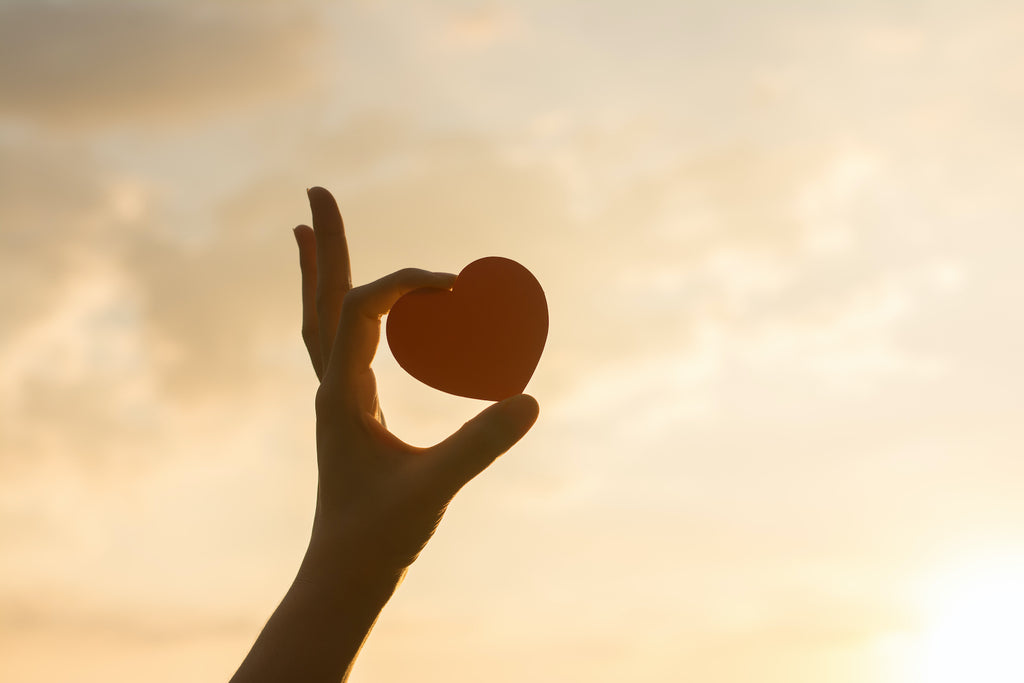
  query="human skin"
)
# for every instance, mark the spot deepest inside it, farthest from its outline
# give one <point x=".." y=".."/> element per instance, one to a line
<point x="379" y="499"/>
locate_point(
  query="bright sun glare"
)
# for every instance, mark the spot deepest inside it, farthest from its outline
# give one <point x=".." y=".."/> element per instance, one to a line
<point x="975" y="631"/>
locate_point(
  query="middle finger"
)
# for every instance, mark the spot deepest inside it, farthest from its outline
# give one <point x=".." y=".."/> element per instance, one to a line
<point x="334" y="275"/>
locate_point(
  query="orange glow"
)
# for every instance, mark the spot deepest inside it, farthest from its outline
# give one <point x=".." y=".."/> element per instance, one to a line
<point x="780" y="245"/>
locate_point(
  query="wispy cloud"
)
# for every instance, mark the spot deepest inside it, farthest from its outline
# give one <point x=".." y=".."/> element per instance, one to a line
<point x="115" y="63"/>
<point x="780" y="251"/>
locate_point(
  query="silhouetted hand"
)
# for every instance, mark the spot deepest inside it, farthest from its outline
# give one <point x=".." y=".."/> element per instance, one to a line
<point x="376" y="492"/>
<point x="379" y="499"/>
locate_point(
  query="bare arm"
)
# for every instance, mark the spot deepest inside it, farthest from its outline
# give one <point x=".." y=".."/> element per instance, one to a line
<point x="379" y="500"/>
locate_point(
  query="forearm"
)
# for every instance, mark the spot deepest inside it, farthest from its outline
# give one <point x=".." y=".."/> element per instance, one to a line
<point x="379" y="499"/>
<point x="318" y="629"/>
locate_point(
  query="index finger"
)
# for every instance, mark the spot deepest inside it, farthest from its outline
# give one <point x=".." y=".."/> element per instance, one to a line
<point x="358" y="331"/>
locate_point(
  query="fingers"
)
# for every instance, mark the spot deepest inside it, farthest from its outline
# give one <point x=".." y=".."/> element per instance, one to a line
<point x="479" y="442"/>
<point x="306" y="240"/>
<point x="358" y="330"/>
<point x="334" y="276"/>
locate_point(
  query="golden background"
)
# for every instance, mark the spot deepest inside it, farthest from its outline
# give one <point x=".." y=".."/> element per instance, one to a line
<point x="781" y="412"/>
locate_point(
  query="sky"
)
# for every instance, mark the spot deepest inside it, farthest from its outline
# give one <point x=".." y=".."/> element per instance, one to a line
<point x="780" y="436"/>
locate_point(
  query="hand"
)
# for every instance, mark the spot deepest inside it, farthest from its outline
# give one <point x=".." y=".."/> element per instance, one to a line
<point x="379" y="499"/>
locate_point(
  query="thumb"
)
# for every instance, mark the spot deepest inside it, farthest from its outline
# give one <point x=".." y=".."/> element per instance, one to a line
<point x="479" y="442"/>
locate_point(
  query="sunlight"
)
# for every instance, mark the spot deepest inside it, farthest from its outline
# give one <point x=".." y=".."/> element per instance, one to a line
<point x="976" y="625"/>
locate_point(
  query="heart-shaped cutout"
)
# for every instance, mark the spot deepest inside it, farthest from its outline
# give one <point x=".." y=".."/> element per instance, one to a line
<point x="482" y="339"/>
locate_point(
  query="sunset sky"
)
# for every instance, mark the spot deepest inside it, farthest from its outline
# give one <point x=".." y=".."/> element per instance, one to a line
<point x="782" y="420"/>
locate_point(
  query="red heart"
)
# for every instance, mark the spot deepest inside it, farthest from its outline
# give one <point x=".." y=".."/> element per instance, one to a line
<point x="482" y="339"/>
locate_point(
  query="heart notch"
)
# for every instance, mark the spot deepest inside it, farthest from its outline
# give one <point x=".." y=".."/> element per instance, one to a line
<point x="483" y="339"/>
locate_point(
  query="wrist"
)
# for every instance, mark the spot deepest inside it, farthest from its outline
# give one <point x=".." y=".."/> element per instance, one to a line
<point x="340" y="563"/>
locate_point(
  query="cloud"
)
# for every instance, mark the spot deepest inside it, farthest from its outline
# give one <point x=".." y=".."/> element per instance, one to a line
<point x="720" y="277"/>
<point x="114" y="63"/>
<point x="51" y="201"/>
<point x="114" y="320"/>
<point x="67" y="329"/>
<point x="480" y="29"/>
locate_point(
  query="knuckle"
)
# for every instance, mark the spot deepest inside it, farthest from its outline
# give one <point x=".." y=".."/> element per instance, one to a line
<point x="324" y="399"/>
<point x="354" y="296"/>
<point x="406" y="274"/>
<point x="410" y="277"/>
<point x="354" y="301"/>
